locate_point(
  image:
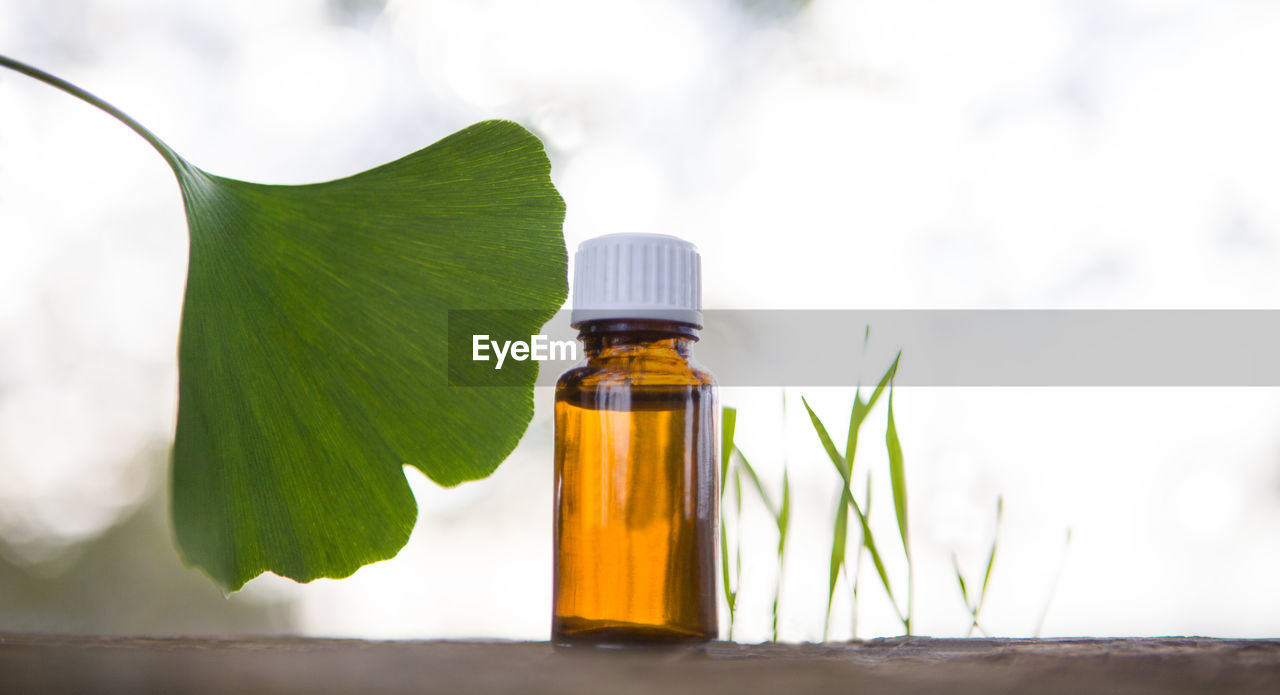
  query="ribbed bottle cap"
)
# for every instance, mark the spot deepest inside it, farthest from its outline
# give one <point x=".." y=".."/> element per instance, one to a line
<point x="637" y="276"/>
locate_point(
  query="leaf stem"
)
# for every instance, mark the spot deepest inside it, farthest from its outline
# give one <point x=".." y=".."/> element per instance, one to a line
<point x="176" y="162"/>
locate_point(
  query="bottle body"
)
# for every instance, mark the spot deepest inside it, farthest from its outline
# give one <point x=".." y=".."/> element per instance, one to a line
<point x="636" y="492"/>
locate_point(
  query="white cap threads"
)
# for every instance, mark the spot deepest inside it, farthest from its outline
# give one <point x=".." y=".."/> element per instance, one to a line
<point x="637" y="276"/>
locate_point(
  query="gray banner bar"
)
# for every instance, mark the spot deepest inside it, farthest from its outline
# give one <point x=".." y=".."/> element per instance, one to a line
<point x="964" y="348"/>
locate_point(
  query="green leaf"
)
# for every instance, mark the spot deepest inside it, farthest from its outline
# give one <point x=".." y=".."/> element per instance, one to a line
<point x="312" y="355"/>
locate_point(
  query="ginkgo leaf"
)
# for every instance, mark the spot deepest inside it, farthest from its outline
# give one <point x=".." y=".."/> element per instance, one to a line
<point x="312" y="356"/>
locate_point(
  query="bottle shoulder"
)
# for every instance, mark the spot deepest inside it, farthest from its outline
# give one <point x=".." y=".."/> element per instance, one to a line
<point x="635" y="371"/>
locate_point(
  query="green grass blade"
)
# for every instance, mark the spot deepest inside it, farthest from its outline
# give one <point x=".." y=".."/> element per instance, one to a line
<point x="840" y="534"/>
<point x="847" y="500"/>
<point x="729" y="422"/>
<point x="838" y="544"/>
<point x="784" y="514"/>
<point x="724" y="565"/>
<point x="897" y="477"/>
<point x="991" y="558"/>
<point x="856" y="417"/>
<point x="964" y="590"/>
<point x="759" y="487"/>
<point x="784" y="524"/>
<point x="898" y="482"/>
<point x="863" y="408"/>
<point x="724" y="569"/>
<point x="885" y="380"/>
<point x="857" y="566"/>
<point x="975" y="604"/>
<point x="836" y="459"/>
<point x="869" y="542"/>
<point x="730" y="596"/>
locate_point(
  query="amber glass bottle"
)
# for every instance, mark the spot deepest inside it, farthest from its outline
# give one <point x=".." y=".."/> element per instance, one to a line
<point x="635" y="454"/>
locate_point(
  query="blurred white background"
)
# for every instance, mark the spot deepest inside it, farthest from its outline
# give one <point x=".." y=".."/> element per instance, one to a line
<point x="825" y="154"/>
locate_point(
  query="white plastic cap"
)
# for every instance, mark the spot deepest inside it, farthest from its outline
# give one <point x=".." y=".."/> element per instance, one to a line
<point x="637" y="276"/>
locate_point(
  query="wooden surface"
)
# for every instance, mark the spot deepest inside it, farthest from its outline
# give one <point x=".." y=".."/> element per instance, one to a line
<point x="52" y="664"/>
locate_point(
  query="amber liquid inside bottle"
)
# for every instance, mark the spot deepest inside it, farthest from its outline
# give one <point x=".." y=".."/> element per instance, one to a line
<point x="636" y="492"/>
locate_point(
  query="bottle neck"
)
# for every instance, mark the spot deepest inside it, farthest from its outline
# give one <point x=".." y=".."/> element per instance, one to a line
<point x="619" y="337"/>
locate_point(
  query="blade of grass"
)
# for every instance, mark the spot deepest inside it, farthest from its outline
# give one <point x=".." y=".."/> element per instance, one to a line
<point x="784" y="519"/>
<point x="838" y="544"/>
<point x="729" y="594"/>
<point x="991" y="558"/>
<point x="863" y="408"/>
<point x="729" y="418"/>
<point x="781" y="518"/>
<point x="986" y="575"/>
<point x="898" y="482"/>
<point x="868" y="540"/>
<point x="836" y="459"/>
<point x="897" y="477"/>
<point x="847" y="500"/>
<point x="857" y="565"/>
<point x="857" y="416"/>
<point x="754" y="479"/>
<point x="964" y="590"/>
<point x="840" y="533"/>
<point x="968" y="602"/>
<point x="784" y="514"/>
<point x="974" y="605"/>
<point x="784" y="522"/>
